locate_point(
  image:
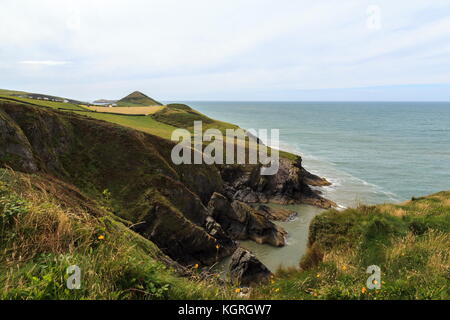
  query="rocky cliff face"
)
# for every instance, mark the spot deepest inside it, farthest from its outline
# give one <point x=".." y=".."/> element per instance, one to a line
<point x="242" y="222"/>
<point x="290" y="185"/>
<point x="194" y="216"/>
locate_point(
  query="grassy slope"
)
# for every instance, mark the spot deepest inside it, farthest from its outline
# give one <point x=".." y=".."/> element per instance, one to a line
<point x="41" y="235"/>
<point x="50" y="104"/>
<point x="128" y="110"/>
<point x="15" y="93"/>
<point x="409" y="242"/>
<point x="142" y="123"/>
<point x="182" y="116"/>
<point x="137" y="99"/>
<point x="10" y="92"/>
<point x="161" y="124"/>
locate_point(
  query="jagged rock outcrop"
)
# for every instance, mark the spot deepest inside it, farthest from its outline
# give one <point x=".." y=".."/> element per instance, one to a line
<point x="14" y="146"/>
<point x="277" y="214"/>
<point x="242" y="222"/>
<point x="288" y="186"/>
<point x="246" y="269"/>
<point x="313" y="180"/>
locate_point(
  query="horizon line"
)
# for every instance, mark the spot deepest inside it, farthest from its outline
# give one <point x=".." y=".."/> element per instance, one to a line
<point x="307" y="101"/>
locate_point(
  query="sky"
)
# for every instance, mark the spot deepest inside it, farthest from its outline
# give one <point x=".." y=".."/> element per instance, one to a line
<point x="289" y="50"/>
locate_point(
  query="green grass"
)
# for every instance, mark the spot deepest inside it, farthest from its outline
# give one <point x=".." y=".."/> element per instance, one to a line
<point x="43" y="103"/>
<point x="142" y="123"/>
<point x="41" y="237"/>
<point x="4" y="92"/>
<point x="137" y="99"/>
<point x="161" y="124"/>
<point x="409" y="242"/>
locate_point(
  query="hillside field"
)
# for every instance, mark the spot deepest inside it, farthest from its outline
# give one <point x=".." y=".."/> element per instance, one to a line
<point x="128" y="110"/>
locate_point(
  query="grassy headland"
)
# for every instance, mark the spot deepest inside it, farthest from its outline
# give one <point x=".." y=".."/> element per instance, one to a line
<point x="137" y="99"/>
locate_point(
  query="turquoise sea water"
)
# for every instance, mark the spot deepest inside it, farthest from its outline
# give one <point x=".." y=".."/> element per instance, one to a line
<point x="372" y="152"/>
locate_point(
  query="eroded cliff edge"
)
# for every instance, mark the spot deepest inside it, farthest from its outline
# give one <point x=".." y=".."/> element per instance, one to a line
<point x="195" y="214"/>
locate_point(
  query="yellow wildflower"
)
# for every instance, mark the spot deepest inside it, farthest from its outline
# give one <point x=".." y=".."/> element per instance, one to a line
<point x="237" y="290"/>
<point x="363" y="290"/>
<point x="318" y="275"/>
<point x="217" y="246"/>
<point x="196" y="266"/>
<point x="277" y="290"/>
<point x="344" y="268"/>
<point x="101" y="237"/>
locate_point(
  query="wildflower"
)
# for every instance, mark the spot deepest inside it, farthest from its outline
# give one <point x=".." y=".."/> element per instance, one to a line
<point x="375" y="282"/>
<point x="237" y="290"/>
<point x="344" y="268"/>
<point x="196" y="266"/>
<point x="102" y="237"/>
<point x="315" y="294"/>
<point x="318" y="275"/>
<point x="363" y="290"/>
<point x="277" y="290"/>
<point x="217" y="246"/>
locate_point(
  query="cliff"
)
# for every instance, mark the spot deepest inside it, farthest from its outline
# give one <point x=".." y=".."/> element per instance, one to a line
<point x="173" y="206"/>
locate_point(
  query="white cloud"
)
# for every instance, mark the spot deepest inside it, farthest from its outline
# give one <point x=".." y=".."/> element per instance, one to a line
<point x="45" y="62"/>
<point x="169" y="47"/>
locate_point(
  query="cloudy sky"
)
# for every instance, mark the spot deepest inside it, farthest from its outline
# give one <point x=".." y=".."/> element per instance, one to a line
<point x="228" y="50"/>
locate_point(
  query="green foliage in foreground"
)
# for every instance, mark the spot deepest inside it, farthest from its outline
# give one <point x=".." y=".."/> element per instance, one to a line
<point x="40" y="239"/>
<point x="409" y="242"/>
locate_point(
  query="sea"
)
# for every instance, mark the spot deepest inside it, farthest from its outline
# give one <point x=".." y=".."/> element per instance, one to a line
<point x="371" y="152"/>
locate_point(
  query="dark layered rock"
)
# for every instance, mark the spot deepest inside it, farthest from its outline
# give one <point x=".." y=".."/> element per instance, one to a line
<point x="290" y="185"/>
<point x="314" y="180"/>
<point x="15" y="148"/>
<point x="216" y="231"/>
<point x="246" y="269"/>
<point x="179" y="238"/>
<point x="277" y="214"/>
<point x="258" y="227"/>
<point x="242" y="222"/>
